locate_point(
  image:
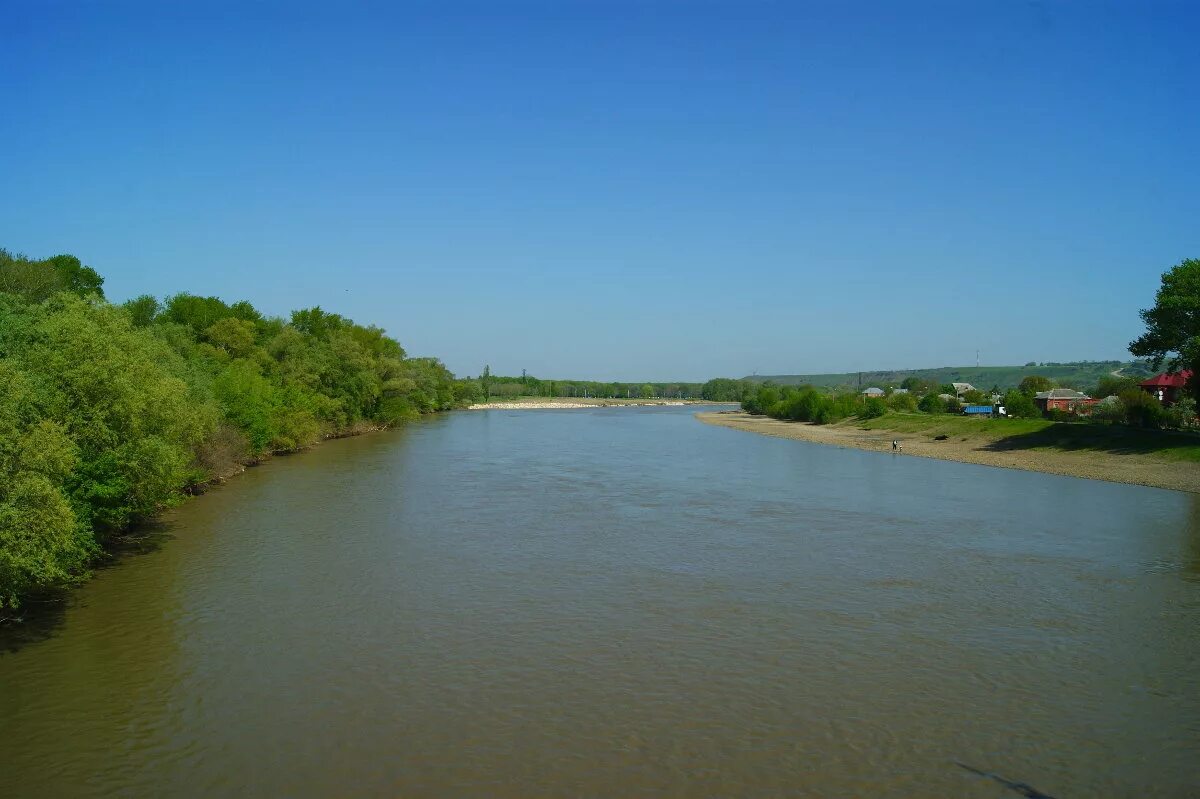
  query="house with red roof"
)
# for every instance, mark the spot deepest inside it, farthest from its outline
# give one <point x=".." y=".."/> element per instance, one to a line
<point x="1167" y="387"/>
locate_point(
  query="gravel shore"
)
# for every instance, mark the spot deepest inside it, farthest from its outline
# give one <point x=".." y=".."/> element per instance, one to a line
<point x="1117" y="468"/>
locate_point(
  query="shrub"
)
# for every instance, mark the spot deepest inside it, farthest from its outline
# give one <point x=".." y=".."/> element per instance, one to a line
<point x="1141" y="409"/>
<point x="1020" y="405"/>
<point x="1032" y="384"/>
<point x="932" y="403"/>
<point x="976" y="397"/>
<point x="1182" y="415"/>
<point x="1108" y="410"/>
<point x="873" y="408"/>
<point x="761" y="401"/>
<point x="824" y="412"/>
<point x="902" y="402"/>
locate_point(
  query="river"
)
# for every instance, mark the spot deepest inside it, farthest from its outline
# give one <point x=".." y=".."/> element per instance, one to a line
<point x="623" y="602"/>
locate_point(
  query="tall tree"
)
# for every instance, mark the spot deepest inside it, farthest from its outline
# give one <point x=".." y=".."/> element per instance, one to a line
<point x="1173" y="324"/>
<point x="1032" y="384"/>
<point x="485" y="380"/>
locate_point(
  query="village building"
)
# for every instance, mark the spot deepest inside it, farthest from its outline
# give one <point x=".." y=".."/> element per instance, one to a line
<point x="1167" y="387"/>
<point x="962" y="388"/>
<point x="1064" y="399"/>
<point x="873" y="392"/>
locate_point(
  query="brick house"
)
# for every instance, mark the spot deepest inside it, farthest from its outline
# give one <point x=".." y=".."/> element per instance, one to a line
<point x="1064" y="399"/>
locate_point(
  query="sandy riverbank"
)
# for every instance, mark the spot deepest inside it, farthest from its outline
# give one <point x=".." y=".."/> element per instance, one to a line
<point x="577" y="402"/>
<point x="1137" y="469"/>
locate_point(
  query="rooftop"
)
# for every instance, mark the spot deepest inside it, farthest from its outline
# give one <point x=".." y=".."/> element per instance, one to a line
<point x="1168" y="380"/>
<point x="1061" y="393"/>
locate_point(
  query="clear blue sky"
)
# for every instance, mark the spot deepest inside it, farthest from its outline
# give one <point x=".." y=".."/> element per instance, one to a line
<point x="623" y="190"/>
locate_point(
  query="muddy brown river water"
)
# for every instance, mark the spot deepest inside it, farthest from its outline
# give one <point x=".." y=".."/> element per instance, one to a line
<point x="623" y="602"/>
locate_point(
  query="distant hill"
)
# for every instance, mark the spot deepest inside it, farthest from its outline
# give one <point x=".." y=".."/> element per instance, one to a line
<point x="1081" y="375"/>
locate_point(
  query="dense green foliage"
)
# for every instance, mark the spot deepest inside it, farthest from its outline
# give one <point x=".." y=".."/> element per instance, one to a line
<point x="1173" y="324"/>
<point x="36" y="281"/>
<point x="723" y="389"/>
<point x="506" y="388"/>
<point x="806" y="404"/>
<point x="110" y="413"/>
<point x="1020" y="405"/>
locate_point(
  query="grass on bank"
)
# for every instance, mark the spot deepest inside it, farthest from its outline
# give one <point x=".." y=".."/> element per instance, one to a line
<point x="1003" y="434"/>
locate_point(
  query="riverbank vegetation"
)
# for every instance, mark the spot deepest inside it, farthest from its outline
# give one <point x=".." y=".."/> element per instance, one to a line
<point x="1073" y="374"/>
<point x="110" y="413"/>
<point x="523" y="387"/>
<point x="1128" y="406"/>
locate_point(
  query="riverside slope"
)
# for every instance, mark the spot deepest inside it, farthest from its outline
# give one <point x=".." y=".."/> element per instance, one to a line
<point x="1135" y="469"/>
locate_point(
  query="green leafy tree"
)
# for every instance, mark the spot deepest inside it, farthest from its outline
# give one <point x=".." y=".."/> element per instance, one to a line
<point x="142" y="310"/>
<point x="232" y="335"/>
<point x="932" y="403"/>
<point x="33" y="281"/>
<point x="1019" y="404"/>
<point x="873" y="407"/>
<point x="762" y="400"/>
<point x="485" y="380"/>
<point x="1173" y="325"/>
<point x="42" y="543"/>
<point x="1111" y="386"/>
<point x="916" y="385"/>
<point x="976" y="397"/>
<point x="1182" y="415"/>
<point x="1033" y="384"/>
<point x="1142" y="410"/>
<point x="75" y="277"/>
<point x="723" y="389"/>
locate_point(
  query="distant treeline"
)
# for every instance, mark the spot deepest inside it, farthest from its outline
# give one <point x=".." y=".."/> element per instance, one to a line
<point x="509" y="387"/>
<point x="109" y="413"/>
<point x="1080" y="375"/>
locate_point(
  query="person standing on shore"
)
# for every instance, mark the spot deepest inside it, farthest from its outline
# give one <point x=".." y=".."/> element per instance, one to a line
<point x="895" y="445"/>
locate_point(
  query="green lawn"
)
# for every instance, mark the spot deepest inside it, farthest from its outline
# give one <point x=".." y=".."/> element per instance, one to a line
<point x="1014" y="434"/>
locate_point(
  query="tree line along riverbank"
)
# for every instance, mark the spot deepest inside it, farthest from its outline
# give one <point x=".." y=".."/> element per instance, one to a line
<point x="559" y="403"/>
<point x="111" y="413"/>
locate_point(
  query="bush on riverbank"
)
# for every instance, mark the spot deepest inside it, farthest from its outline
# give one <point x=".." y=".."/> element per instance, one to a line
<point x="110" y="413"/>
<point x="805" y="404"/>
